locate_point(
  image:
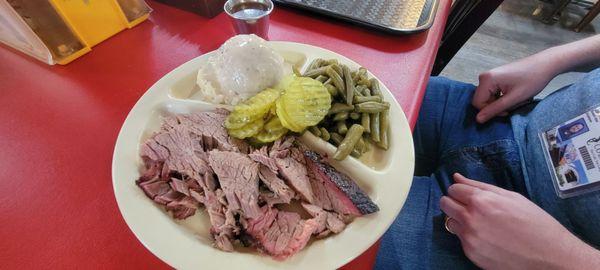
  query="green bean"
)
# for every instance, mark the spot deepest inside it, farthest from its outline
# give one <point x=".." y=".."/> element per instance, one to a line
<point x="371" y="107"/>
<point x="384" y="124"/>
<point x="336" y="138"/>
<point x="364" y="81"/>
<point x="375" y="88"/>
<point x="384" y="121"/>
<point x="359" y="99"/>
<point x="325" y="134"/>
<point x="313" y="73"/>
<point x="340" y="107"/>
<point x="365" y="121"/>
<point x="384" y="141"/>
<point x="362" y="72"/>
<point x="354" y="115"/>
<point x="349" y="85"/>
<point x="331" y="89"/>
<point x="321" y="78"/>
<point x="366" y="92"/>
<point x="314" y="64"/>
<point x="341" y="127"/>
<point x="347" y="145"/>
<point x="357" y="92"/>
<point x="341" y="116"/>
<point x="315" y="131"/>
<point x="375" y="132"/>
<point x="354" y="75"/>
<point x="332" y="62"/>
<point x="360" y="89"/>
<point x="360" y="145"/>
<point x="338" y="69"/>
<point x="367" y="144"/>
<point x="337" y="80"/>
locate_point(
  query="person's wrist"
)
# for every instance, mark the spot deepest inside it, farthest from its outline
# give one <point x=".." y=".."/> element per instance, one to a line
<point x="590" y="258"/>
<point x="549" y="64"/>
<point x="558" y="60"/>
<point x="576" y="255"/>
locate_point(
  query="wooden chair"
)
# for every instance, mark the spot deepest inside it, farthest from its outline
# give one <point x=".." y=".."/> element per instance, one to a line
<point x="562" y="4"/>
<point x="588" y="17"/>
<point x="465" y="18"/>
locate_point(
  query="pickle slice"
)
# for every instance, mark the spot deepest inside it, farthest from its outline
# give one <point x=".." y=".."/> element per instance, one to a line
<point x="306" y="102"/>
<point x="248" y="130"/>
<point x="272" y="131"/>
<point x="284" y="118"/>
<point x="252" y="109"/>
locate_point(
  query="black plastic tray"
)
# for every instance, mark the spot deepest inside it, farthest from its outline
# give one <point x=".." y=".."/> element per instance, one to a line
<point x="392" y="16"/>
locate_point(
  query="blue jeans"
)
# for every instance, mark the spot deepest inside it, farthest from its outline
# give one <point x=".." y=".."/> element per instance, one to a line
<point x="447" y="140"/>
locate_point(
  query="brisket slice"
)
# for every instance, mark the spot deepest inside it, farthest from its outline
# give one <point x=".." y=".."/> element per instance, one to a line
<point x="328" y="222"/>
<point x="158" y="186"/>
<point x="262" y="156"/>
<point x="238" y="176"/>
<point x="281" y="147"/>
<point x="345" y="195"/>
<point x="182" y="208"/>
<point x="281" y="193"/>
<point x="280" y="233"/>
<point x="179" y="149"/>
<point x="293" y="169"/>
<point x="209" y="125"/>
<point x="223" y="227"/>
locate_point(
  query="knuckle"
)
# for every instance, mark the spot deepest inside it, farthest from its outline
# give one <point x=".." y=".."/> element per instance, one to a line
<point x="485" y="75"/>
<point x="478" y="198"/>
<point x="481" y="203"/>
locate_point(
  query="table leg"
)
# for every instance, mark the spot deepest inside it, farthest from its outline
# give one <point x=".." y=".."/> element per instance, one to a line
<point x="588" y="17"/>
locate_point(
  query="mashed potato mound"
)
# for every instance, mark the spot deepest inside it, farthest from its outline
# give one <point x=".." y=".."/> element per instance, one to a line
<point x="240" y="68"/>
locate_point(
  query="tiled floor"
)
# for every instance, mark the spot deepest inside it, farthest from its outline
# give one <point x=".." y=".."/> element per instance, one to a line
<point x="511" y="33"/>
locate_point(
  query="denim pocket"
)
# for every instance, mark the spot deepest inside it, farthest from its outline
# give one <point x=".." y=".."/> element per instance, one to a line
<point x="497" y="163"/>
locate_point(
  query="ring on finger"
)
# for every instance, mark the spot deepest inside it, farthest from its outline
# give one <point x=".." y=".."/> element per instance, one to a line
<point x="446" y="220"/>
<point x="498" y="93"/>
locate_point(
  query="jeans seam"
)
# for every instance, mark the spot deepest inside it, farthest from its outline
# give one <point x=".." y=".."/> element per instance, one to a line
<point x="474" y="147"/>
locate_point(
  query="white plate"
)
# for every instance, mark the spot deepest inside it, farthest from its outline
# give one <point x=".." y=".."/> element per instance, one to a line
<point x="187" y="244"/>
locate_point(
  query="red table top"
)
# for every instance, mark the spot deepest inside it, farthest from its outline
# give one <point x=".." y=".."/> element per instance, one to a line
<point x="59" y="124"/>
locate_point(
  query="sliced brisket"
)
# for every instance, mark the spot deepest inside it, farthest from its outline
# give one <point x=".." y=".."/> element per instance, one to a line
<point x="280" y="233"/>
<point x="192" y="161"/>
<point x="344" y="194"/>
<point x="295" y="173"/>
<point x="182" y="208"/>
<point x="177" y="148"/>
<point x="262" y="156"/>
<point x="281" y="192"/>
<point x="328" y="221"/>
<point x="209" y="125"/>
<point x="238" y="176"/>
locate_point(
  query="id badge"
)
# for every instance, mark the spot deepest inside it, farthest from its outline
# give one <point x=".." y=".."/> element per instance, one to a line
<point x="572" y="151"/>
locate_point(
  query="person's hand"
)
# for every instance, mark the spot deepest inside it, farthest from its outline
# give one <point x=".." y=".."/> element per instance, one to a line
<point x="518" y="82"/>
<point x="500" y="229"/>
